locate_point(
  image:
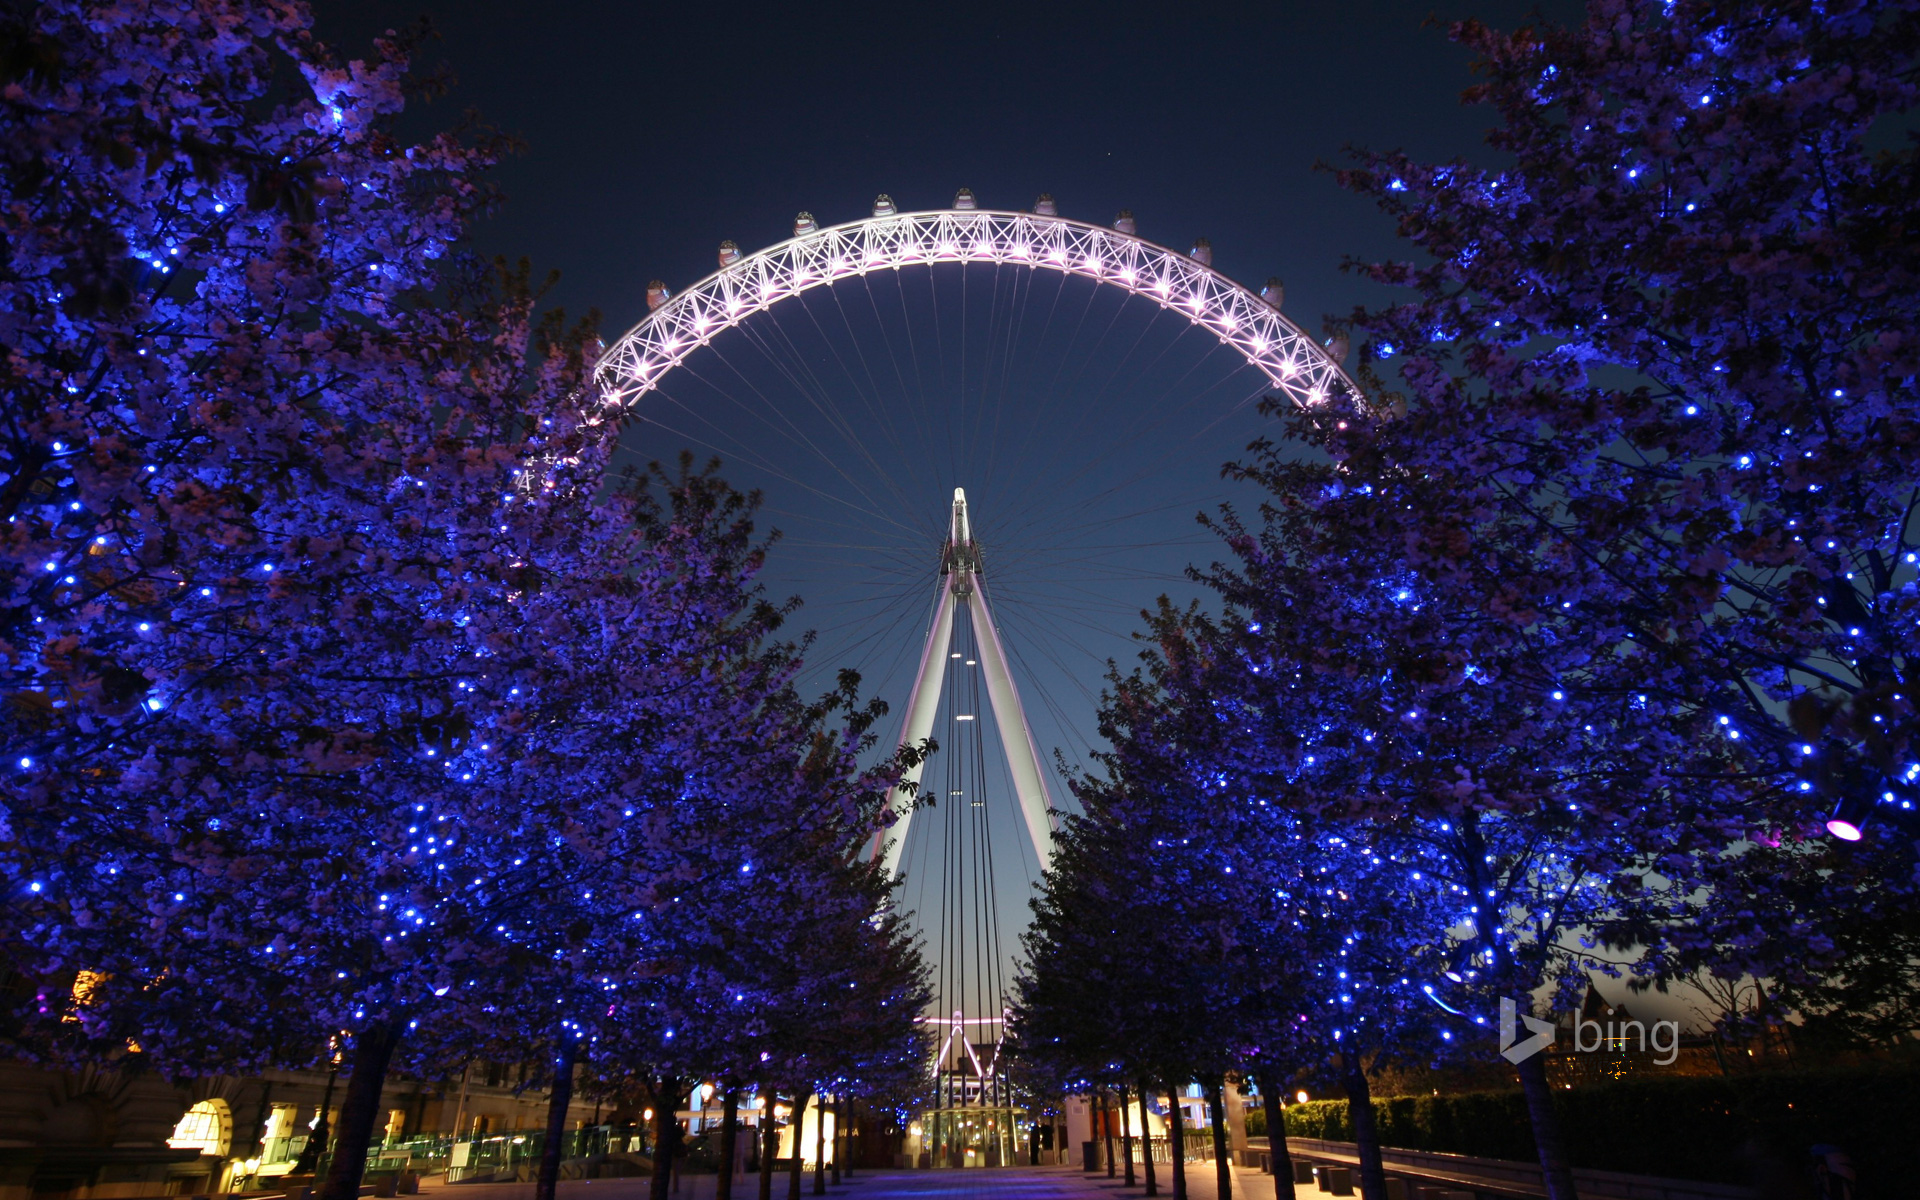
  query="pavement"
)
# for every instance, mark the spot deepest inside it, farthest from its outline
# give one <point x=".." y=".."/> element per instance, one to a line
<point x="986" y="1183"/>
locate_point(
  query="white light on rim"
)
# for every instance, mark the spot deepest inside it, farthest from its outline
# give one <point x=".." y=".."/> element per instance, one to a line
<point x="656" y="345"/>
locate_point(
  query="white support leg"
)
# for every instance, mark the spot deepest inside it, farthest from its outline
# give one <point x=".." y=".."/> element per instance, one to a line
<point x="1016" y="736"/>
<point x="888" y="841"/>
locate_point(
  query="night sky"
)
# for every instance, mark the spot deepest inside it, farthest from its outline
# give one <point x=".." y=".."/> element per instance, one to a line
<point x="654" y="132"/>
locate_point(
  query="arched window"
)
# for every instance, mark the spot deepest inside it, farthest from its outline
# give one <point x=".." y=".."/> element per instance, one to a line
<point x="206" y="1127"/>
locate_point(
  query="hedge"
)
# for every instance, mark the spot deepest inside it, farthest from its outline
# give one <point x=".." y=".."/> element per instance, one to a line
<point x="1739" y="1130"/>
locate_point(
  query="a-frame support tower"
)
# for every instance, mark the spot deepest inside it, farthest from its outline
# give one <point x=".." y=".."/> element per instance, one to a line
<point x="962" y="582"/>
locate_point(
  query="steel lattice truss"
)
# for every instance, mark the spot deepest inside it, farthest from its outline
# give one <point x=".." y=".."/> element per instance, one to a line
<point x="1298" y="367"/>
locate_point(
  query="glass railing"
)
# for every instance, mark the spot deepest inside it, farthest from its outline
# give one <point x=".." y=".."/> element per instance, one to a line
<point x="475" y="1156"/>
<point x="497" y="1153"/>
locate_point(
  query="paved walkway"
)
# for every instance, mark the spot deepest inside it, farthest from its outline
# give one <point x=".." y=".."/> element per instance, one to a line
<point x="1003" y="1183"/>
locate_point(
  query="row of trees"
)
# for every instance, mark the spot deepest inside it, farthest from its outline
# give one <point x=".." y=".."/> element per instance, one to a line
<point x="1584" y="642"/>
<point x="350" y="707"/>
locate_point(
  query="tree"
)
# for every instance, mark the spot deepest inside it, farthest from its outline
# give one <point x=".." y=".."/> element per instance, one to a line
<point x="1672" y="346"/>
<point x="290" y="488"/>
<point x="1334" y="925"/>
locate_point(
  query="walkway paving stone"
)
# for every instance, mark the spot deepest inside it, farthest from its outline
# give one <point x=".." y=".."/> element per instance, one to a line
<point x="1003" y="1183"/>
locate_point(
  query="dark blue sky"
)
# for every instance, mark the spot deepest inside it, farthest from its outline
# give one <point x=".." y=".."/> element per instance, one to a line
<point x="654" y="131"/>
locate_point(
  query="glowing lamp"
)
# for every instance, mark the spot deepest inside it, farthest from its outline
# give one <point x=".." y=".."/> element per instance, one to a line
<point x="1300" y="1097"/>
<point x="1843" y="829"/>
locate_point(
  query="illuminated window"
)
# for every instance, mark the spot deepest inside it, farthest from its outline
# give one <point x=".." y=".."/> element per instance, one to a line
<point x="206" y="1127"/>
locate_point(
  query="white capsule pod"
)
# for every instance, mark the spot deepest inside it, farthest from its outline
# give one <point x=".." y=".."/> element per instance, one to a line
<point x="1275" y="293"/>
<point x="1045" y="207"/>
<point x="1202" y="252"/>
<point x="1337" y="347"/>
<point x="657" y="294"/>
<point x="804" y="223"/>
<point x="729" y="253"/>
<point x="964" y="201"/>
<point x="1123" y="223"/>
<point x="883" y="205"/>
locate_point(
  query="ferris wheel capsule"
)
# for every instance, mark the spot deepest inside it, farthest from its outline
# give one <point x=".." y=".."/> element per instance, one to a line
<point x="1045" y="207"/>
<point x="1275" y="293"/>
<point x="883" y="205"/>
<point x="729" y="253"/>
<point x="657" y="294"/>
<point x="804" y="223"/>
<point x="964" y="201"/>
<point x="1124" y="223"/>
<point x="1202" y="252"/>
<point x="1337" y="347"/>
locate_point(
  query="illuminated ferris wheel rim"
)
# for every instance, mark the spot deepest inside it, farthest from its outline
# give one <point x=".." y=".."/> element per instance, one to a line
<point x="1297" y="366"/>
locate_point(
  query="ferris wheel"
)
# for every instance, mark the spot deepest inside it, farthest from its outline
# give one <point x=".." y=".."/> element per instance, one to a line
<point x="936" y="403"/>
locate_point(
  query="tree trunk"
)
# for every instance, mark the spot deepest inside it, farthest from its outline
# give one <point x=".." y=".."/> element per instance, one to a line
<point x="769" y="1144"/>
<point x="839" y="1135"/>
<point x="1222" y="1160"/>
<point x="1176" y="1143"/>
<point x="559" y="1099"/>
<point x="1555" y="1171"/>
<point x="1146" y="1146"/>
<point x="1106" y="1128"/>
<point x="1277" y="1152"/>
<point x="800" y="1100"/>
<point x="666" y="1136"/>
<point x="372" y="1051"/>
<point x="1366" y="1131"/>
<point x="1126" y="1136"/>
<point x="729" y="1142"/>
<point x="820" y="1148"/>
